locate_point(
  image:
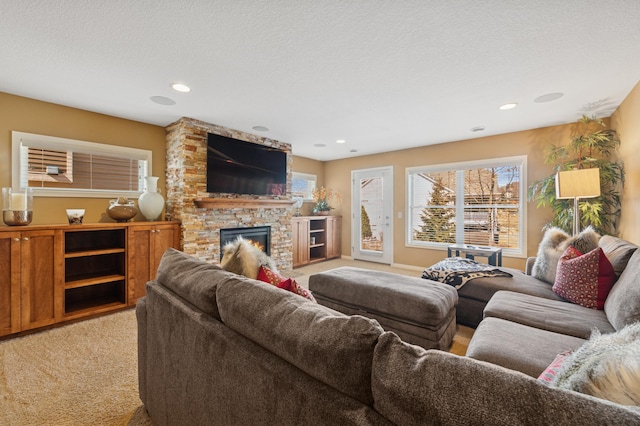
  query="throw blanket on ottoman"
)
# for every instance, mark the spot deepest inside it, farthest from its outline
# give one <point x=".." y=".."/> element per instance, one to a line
<point x="456" y="271"/>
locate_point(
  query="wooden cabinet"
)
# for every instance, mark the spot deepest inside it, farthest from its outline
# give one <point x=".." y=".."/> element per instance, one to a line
<point x="146" y="246"/>
<point x="315" y="238"/>
<point x="56" y="273"/>
<point x="30" y="278"/>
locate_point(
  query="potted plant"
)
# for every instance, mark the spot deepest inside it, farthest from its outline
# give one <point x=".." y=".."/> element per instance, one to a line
<point x="592" y="145"/>
<point x="323" y="197"/>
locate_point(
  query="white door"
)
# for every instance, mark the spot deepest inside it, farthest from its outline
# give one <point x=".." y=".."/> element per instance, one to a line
<point x="372" y="213"/>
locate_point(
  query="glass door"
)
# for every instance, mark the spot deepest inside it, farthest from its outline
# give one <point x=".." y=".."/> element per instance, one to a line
<point x="372" y="207"/>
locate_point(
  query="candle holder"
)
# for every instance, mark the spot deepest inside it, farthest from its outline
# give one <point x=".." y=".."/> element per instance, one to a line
<point x="17" y="206"/>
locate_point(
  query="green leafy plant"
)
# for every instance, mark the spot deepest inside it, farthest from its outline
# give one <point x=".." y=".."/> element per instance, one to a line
<point x="592" y="145"/>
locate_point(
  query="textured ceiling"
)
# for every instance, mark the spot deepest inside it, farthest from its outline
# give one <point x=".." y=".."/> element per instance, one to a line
<point x="382" y="75"/>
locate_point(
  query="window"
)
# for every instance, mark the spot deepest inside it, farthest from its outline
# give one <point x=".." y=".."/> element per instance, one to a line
<point x="479" y="203"/>
<point x="302" y="185"/>
<point x="71" y="168"/>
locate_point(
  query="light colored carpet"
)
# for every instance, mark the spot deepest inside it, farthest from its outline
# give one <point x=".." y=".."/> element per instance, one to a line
<point x="78" y="374"/>
<point x="86" y="373"/>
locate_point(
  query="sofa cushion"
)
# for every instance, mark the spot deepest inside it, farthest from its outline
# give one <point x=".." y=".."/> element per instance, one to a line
<point x="412" y="386"/>
<point x="191" y="279"/>
<point x="623" y="303"/>
<point x="585" y="279"/>
<point x="551" y="315"/>
<point x="484" y="288"/>
<point x="332" y="347"/>
<point x="518" y="347"/>
<point x="618" y="251"/>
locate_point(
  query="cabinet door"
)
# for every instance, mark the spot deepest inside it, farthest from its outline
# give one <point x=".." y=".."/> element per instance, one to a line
<point x="42" y="278"/>
<point x="146" y="245"/>
<point x="164" y="237"/>
<point x="334" y="229"/>
<point x="139" y="260"/>
<point x="9" y="283"/>
<point x="300" y="237"/>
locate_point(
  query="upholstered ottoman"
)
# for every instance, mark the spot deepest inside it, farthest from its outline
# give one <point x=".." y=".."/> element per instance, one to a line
<point x="420" y="311"/>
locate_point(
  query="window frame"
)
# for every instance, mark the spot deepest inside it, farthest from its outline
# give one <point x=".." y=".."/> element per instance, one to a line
<point x="308" y="177"/>
<point x="64" y="144"/>
<point x="462" y="166"/>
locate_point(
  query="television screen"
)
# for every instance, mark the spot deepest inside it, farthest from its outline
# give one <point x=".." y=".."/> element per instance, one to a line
<point x="239" y="167"/>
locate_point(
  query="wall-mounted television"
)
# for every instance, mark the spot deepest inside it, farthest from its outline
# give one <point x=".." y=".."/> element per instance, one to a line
<point x="239" y="167"/>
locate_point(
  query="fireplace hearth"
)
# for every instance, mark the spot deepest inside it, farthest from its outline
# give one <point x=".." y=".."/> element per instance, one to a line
<point x="259" y="235"/>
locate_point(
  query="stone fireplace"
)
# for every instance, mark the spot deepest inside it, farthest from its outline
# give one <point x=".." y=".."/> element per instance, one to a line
<point x="202" y="214"/>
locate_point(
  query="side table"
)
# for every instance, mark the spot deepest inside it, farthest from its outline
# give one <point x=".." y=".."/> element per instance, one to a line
<point x="493" y="254"/>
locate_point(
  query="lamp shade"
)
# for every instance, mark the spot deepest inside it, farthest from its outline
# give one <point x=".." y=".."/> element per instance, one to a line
<point x="579" y="183"/>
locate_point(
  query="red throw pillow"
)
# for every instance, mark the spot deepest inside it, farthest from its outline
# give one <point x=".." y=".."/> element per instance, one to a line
<point x="584" y="279"/>
<point x="268" y="276"/>
<point x="271" y="277"/>
<point x="295" y="287"/>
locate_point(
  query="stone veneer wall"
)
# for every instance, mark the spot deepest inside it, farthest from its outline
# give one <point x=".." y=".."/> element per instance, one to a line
<point x="187" y="181"/>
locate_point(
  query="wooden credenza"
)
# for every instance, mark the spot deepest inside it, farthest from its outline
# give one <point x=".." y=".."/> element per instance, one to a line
<point x="316" y="238"/>
<point x="55" y="273"/>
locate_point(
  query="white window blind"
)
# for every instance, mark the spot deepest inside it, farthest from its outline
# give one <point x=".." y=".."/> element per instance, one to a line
<point x="65" y="167"/>
<point x="480" y="203"/>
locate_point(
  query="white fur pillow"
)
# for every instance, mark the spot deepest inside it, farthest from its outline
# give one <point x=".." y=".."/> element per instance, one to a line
<point x="549" y="252"/>
<point x="606" y="366"/>
<point x="554" y="242"/>
<point x="243" y="258"/>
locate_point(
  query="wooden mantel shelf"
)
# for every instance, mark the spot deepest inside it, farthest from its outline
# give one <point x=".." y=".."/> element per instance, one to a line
<point x="230" y="203"/>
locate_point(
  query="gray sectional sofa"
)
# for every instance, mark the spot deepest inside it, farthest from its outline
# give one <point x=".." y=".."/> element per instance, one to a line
<point x="216" y="348"/>
<point x="474" y="296"/>
<point x="525" y="328"/>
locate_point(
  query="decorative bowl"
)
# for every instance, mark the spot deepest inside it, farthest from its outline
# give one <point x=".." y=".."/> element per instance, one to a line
<point x="121" y="210"/>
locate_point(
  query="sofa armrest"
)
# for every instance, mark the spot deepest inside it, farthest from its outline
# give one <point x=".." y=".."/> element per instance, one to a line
<point x="529" y="266"/>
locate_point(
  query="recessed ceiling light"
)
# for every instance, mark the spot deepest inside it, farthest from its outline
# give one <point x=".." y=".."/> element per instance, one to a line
<point x="179" y="87"/>
<point x="477" y="129"/>
<point x="508" y="106"/>
<point x="260" y="128"/>
<point x="162" y="100"/>
<point x="548" y="97"/>
<point x="341" y="141"/>
<point x="320" y="145"/>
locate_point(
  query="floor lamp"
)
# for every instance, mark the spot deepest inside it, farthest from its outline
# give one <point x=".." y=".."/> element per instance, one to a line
<point x="576" y="184"/>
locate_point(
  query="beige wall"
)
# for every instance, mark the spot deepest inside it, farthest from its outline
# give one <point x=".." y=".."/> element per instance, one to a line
<point x="530" y="143"/>
<point x="31" y="116"/>
<point x="626" y="121"/>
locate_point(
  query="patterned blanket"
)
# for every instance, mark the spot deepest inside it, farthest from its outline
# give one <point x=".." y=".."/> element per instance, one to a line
<point x="456" y="271"/>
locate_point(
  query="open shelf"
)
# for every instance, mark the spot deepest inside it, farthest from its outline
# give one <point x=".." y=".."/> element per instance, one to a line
<point x="94" y="270"/>
<point x="90" y="297"/>
<point x="102" y="279"/>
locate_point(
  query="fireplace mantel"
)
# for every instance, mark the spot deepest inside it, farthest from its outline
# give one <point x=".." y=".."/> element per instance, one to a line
<point x="230" y="203"/>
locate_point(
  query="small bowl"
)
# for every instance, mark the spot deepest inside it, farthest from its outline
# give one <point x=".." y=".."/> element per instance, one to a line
<point x="75" y="216"/>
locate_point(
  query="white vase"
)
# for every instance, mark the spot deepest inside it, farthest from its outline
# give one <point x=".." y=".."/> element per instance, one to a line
<point x="151" y="202"/>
